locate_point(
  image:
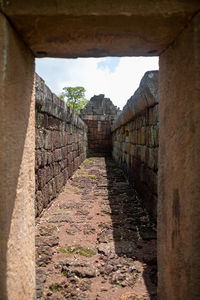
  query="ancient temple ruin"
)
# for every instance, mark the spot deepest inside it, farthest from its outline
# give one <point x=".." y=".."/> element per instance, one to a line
<point x="168" y="29"/>
<point x="99" y="115"/>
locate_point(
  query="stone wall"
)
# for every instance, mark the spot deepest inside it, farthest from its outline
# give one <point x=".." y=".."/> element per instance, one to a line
<point x="99" y="115"/>
<point x="135" y="139"/>
<point x="61" y="142"/>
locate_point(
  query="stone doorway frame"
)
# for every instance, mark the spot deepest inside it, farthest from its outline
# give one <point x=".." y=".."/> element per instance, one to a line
<point x="177" y="42"/>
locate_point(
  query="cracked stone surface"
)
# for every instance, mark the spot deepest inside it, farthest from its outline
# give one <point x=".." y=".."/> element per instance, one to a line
<point x="96" y="241"/>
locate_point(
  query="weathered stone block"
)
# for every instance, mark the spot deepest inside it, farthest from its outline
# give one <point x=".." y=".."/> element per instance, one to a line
<point x="59" y="180"/>
<point x="61" y="126"/>
<point x="153" y="136"/>
<point x="39" y="120"/>
<point x="45" y="195"/>
<point x="53" y="183"/>
<point x="56" y="168"/>
<point x="44" y="157"/>
<point x="156" y="135"/>
<point x="150" y="116"/>
<point x="49" y="173"/>
<point x="62" y="138"/>
<point x="39" y="202"/>
<point x="56" y="139"/>
<point x="152" y="159"/>
<point x="50" y="157"/>
<point x="155" y="114"/>
<point x="142" y="136"/>
<point x="50" y="191"/>
<point x="47" y="140"/>
<point x="57" y="155"/>
<point x="65" y="175"/>
<point x="70" y="139"/>
<point x="133" y="150"/>
<point x="53" y="123"/>
<point x="64" y="151"/>
<point x="39" y="139"/>
<point x="127" y="147"/>
<point x="41" y="178"/>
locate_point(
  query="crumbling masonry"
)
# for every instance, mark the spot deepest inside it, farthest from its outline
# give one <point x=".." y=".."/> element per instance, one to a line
<point x="168" y="29"/>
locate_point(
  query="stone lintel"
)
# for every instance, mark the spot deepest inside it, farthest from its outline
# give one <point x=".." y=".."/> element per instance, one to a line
<point x="99" y="28"/>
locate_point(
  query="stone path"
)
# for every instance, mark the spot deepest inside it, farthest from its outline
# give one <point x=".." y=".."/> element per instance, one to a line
<point x="95" y="241"/>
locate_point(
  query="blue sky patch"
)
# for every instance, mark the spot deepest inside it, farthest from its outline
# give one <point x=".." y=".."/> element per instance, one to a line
<point x="110" y="62"/>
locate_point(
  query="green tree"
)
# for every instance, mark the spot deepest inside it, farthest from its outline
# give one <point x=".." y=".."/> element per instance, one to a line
<point x="74" y="97"/>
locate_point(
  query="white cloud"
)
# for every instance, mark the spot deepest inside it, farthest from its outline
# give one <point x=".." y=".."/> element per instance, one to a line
<point x="119" y="85"/>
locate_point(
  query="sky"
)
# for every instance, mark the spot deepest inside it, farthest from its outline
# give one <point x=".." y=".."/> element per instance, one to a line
<point x="115" y="77"/>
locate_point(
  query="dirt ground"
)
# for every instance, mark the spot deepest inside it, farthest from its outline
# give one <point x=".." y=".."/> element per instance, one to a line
<point x="95" y="241"/>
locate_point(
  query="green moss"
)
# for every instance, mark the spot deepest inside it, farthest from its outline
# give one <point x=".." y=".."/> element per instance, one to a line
<point x="82" y="173"/>
<point x="78" y="249"/>
<point x="92" y="176"/>
<point x="43" y="213"/>
<point x="87" y="160"/>
<point x="42" y="254"/>
<point x="55" y="287"/>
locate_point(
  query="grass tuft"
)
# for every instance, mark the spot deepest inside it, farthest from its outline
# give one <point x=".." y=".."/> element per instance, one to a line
<point x="79" y="250"/>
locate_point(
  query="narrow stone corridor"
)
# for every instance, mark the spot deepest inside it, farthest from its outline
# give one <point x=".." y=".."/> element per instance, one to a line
<point x="95" y="241"/>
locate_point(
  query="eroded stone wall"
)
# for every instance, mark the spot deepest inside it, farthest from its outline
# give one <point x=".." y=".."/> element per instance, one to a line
<point x="61" y="142"/>
<point x="135" y="139"/>
<point x="99" y="115"/>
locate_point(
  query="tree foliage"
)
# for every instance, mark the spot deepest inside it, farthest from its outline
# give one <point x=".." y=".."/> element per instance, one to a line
<point x="74" y="97"/>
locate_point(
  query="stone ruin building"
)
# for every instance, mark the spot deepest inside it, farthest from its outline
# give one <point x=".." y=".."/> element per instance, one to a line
<point x="168" y="29"/>
<point x="99" y="115"/>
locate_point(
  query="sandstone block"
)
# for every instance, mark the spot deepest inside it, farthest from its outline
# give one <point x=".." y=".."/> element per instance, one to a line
<point x="39" y="199"/>
<point x="64" y="151"/>
<point x="55" y="139"/>
<point x="150" y="116"/>
<point x="59" y="180"/>
<point x="53" y="183"/>
<point x="41" y="175"/>
<point x="39" y="139"/>
<point x="50" y="191"/>
<point x="50" y="157"/>
<point x="53" y="123"/>
<point x="47" y="140"/>
<point x="39" y="120"/>
<point x="49" y="173"/>
<point x="127" y="147"/>
<point x="61" y="126"/>
<point x="155" y="114"/>
<point x="61" y="138"/>
<point x="57" y="155"/>
<point x="142" y="136"/>
<point x="65" y="175"/>
<point x="133" y="150"/>
<point x="56" y="169"/>
<point x="45" y="195"/>
<point x="44" y="157"/>
<point x="142" y="153"/>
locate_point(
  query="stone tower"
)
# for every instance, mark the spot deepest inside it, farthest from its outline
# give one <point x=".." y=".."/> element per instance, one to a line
<point x="99" y="115"/>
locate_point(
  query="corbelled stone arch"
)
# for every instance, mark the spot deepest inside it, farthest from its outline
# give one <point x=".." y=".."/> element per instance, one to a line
<point x="169" y="29"/>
